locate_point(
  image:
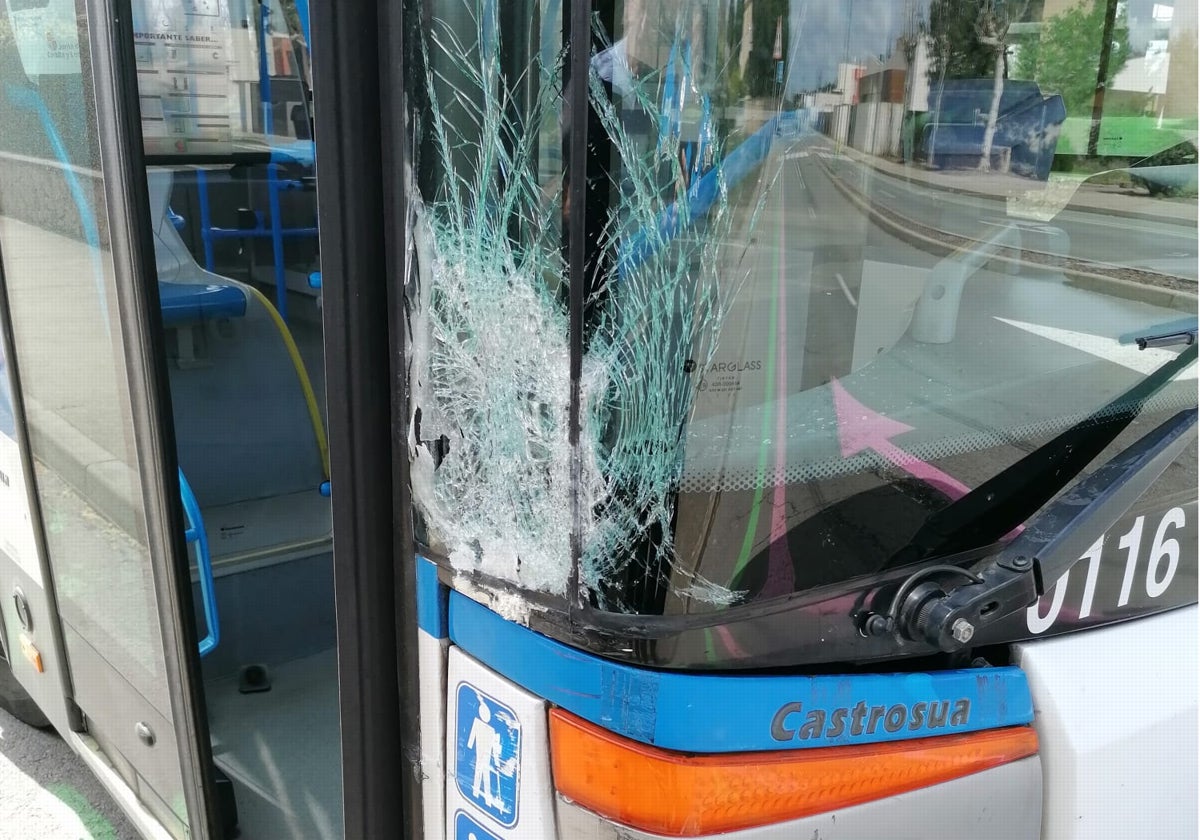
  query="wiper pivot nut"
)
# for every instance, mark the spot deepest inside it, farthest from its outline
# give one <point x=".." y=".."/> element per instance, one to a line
<point x="949" y="620"/>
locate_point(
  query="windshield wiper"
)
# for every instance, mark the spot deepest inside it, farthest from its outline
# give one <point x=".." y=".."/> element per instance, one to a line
<point x="1050" y="544"/>
<point x="1000" y="504"/>
<point x="1019" y="574"/>
<point x="1170" y="334"/>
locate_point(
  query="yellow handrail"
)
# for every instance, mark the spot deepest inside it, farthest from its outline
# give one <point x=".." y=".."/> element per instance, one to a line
<point x="310" y="397"/>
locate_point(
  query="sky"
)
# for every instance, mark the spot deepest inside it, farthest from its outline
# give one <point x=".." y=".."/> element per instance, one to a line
<point x="825" y="34"/>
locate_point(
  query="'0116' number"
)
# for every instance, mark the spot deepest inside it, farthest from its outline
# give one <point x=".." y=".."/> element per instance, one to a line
<point x="1160" y="570"/>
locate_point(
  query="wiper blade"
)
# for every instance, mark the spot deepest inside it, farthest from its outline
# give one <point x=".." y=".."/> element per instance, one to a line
<point x="1170" y="334"/>
<point x="996" y="507"/>
<point x="1048" y="547"/>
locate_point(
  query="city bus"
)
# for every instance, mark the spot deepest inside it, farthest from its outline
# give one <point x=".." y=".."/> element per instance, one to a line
<point x="549" y="420"/>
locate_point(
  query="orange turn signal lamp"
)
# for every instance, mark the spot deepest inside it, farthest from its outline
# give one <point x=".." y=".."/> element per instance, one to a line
<point x="684" y="795"/>
<point x="32" y="653"/>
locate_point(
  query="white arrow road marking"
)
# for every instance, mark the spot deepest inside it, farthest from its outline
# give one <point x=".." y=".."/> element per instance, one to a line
<point x="1126" y="355"/>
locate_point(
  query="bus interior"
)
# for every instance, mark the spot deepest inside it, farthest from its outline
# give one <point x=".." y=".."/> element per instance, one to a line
<point x="244" y="344"/>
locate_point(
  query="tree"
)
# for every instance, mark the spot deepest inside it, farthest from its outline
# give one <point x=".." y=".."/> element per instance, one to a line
<point x="1065" y="58"/>
<point x="957" y="51"/>
<point x="970" y="41"/>
<point x="766" y="16"/>
<point x="991" y="28"/>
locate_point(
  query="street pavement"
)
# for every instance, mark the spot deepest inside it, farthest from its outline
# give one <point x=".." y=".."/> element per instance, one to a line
<point x="48" y="793"/>
<point x="1099" y="225"/>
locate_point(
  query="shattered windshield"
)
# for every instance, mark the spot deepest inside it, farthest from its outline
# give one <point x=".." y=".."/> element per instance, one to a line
<point x="844" y="263"/>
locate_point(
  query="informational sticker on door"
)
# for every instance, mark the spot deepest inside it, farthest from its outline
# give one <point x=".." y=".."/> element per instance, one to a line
<point x="47" y="36"/>
<point x="466" y="828"/>
<point x="183" y="50"/>
<point x="488" y="754"/>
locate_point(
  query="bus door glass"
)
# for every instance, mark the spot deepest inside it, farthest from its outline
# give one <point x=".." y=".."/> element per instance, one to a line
<point x="67" y="353"/>
<point x="32" y="682"/>
<point x="223" y="96"/>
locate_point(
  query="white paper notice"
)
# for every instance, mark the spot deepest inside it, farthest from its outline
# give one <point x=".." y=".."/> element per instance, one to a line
<point x="47" y="36"/>
<point x="183" y="58"/>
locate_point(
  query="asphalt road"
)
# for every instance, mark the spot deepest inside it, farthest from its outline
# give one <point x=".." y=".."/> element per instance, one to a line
<point x="48" y="793"/>
<point x="1165" y="246"/>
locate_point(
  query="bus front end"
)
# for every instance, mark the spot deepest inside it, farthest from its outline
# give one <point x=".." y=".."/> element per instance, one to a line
<point x="795" y="449"/>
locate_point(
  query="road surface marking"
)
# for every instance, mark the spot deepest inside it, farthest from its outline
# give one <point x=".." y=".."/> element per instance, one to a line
<point x="860" y="428"/>
<point x="1102" y="347"/>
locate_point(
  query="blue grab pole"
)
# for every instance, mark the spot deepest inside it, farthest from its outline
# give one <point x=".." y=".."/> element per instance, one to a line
<point x="206" y="228"/>
<point x="195" y="534"/>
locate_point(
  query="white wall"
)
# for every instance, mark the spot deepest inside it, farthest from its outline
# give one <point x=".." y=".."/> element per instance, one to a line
<point x="877" y="127"/>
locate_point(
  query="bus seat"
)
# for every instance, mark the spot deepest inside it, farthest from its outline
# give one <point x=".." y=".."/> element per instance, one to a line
<point x="243" y="431"/>
<point x="173" y="260"/>
<point x="190" y="303"/>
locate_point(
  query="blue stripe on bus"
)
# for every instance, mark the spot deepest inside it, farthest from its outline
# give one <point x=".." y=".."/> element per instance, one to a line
<point x="711" y="713"/>
<point x="431" y="600"/>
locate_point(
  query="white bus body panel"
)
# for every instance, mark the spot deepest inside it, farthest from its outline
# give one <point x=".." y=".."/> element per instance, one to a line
<point x="431" y="654"/>
<point x="1115" y="711"/>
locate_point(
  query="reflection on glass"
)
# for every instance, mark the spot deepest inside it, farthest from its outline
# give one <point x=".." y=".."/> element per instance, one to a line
<point x="221" y="76"/>
<point x="60" y="284"/>
<point x="67" y="337"/>
<point x="845" y="263"/>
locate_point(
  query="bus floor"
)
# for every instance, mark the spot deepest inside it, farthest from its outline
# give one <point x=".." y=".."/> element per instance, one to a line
<point x="281" y="750"/>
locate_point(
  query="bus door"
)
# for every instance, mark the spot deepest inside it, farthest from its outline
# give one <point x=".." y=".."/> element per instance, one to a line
<point x="164" y="294"/>
<point x="222" y="100"/>
<point x="92" y="591"/>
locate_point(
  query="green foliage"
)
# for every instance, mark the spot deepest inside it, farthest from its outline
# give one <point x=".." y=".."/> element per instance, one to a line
<point x="291" y="17"/>
<point x="759" y="78"/>
<point x="735" y="85"/>
<point x="958" y="53"/>
<point x="1066" y="57"/>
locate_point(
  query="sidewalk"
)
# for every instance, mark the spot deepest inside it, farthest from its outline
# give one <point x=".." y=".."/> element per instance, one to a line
<point x="47" y="793"/>
<point x="1045" y="198"/>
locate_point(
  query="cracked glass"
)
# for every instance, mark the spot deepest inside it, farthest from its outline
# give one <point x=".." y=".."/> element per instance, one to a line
<point x="845" y="263"/>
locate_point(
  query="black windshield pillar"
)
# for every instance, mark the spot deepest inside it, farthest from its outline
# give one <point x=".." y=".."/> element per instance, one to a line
<point x="352" y="74"/>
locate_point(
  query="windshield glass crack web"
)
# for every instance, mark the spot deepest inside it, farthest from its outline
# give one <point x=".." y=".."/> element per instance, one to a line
<point x="488" y="349"/>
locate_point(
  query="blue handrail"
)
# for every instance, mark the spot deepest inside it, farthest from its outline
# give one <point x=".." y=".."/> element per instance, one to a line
<point x="209" y="233"/>
<point x="195" y="534"/>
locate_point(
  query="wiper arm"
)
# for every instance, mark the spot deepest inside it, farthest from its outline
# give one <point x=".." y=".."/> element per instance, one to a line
<point x="1048" y="547"/>
<point x="1003" y="502"/>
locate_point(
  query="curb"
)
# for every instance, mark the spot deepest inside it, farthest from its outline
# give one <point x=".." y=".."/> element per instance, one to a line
<point x="1114" y="286"/>
<point x="1140" y="215"/>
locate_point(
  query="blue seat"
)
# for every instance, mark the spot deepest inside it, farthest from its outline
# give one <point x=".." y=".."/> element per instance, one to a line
<point x="190" y="303"/>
